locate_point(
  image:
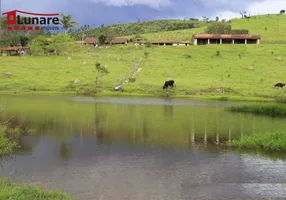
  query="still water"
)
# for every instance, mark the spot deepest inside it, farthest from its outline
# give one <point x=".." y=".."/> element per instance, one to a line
<point x="130" y="148"/>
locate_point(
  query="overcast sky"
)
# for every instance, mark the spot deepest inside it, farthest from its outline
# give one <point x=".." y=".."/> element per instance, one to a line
<point x="113" y="11"/>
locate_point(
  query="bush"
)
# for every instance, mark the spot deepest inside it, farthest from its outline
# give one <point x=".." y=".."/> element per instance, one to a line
<point x="131" y="80"/>
<point x="239" y="31"/>
<point x="218" y="28"/>
<point x="59" y="43"/>
<point x="148" y="44"/>
<point x="8" y="140"/>
<point x="188" y="56"/>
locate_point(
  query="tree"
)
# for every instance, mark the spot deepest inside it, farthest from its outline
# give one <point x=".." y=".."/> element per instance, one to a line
<point x="102" y="39"/>
<point x="24" y="40"/>
<point x="67" y="22"/>
<point x="205" y="19"/>
<point x="110" y="33"/>
<point x="217" y="19"/>
<point x="243" y="14"/>
<point x="101" y="71"/>
<point x="218" y="28"/>
<point x="282" y="11"/>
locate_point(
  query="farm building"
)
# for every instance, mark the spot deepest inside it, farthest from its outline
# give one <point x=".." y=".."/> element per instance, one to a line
<point x="202" y="39"/>
<point x="15" y="49"/>
<point x="91" y="41"/>
<point x="119" y="40"/>
<point x="174" y="43"/>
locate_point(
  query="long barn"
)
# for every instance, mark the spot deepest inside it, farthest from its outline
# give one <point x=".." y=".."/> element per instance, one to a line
<point x="203" y="39"/>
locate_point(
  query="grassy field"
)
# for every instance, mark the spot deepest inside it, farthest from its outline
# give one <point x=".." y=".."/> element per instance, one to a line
<point x="198" y="70"/>
<point x="11" y="190"/>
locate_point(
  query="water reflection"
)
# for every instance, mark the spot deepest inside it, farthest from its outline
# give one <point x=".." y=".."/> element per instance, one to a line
<point x="65" y="151"/>
<point x="119" y="151"/>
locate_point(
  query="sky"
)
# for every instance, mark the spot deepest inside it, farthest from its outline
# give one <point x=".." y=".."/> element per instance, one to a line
<point x="98" y="12"/>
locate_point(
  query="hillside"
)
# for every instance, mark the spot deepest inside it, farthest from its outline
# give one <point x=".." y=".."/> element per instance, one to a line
<point x="139" y="28"/>
<point x="197" y="69"/>
<point x="275" y="33"/>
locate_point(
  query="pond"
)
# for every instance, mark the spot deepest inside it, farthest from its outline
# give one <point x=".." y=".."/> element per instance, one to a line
<point x="141" y="148"/>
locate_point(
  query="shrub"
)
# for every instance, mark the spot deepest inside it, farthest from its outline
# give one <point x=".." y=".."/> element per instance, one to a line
<point x="132" y="80"/>
<point x="218" y="28"/>
<point x="148" y="44"/>
<point x="239" y="31"/>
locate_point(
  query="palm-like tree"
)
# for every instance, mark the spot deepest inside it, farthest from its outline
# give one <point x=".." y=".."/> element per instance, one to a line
<point x="67" y="22"/>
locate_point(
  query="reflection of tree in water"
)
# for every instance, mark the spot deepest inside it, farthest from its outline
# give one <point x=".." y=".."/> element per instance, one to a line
<point x="27" y="143"/>
<point x="145" y="130"/>
<point x="65" y="151"/>
<point x="168" y="111"/>
<point x="101" y="137"/>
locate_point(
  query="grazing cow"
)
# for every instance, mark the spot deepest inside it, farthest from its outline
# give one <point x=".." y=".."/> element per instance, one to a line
<point x="279" y="85"/>
<point x="169" y="83"/>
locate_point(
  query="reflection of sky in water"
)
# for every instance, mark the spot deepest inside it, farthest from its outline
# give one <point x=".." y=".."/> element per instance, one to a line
<point x="145" y="101"/>
<point x="125" y="171"/>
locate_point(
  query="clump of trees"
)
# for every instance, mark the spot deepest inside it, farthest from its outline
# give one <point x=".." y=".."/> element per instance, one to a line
<point x="218" y="28"/>
<point x="102" y="39"/>
<point x="57" y="44"/>
<point x="138" y="27"/>
<point x="223" y="28"/>
<point x="23" y="38"/>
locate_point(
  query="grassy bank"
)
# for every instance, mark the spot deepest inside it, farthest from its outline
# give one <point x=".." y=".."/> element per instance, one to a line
<point x="270" y="110"/>
<point x="269" y="141"/>
<point x="12" y="190"/>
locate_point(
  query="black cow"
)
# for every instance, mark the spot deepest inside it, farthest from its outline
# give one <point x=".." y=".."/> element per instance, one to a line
<point x="279" y="85"/>
<point x="169" y="83"/>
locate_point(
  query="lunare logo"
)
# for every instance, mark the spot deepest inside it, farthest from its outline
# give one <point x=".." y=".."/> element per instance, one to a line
<point x="34" y="21"/>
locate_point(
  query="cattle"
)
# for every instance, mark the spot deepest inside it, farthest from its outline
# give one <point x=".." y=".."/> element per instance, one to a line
<point x="171" y="83"/>
<point x="279" y="85"/>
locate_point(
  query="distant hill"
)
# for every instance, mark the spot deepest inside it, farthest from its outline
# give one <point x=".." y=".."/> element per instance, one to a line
<point x="271" y="27"/>
<point x="139" y="28"/>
